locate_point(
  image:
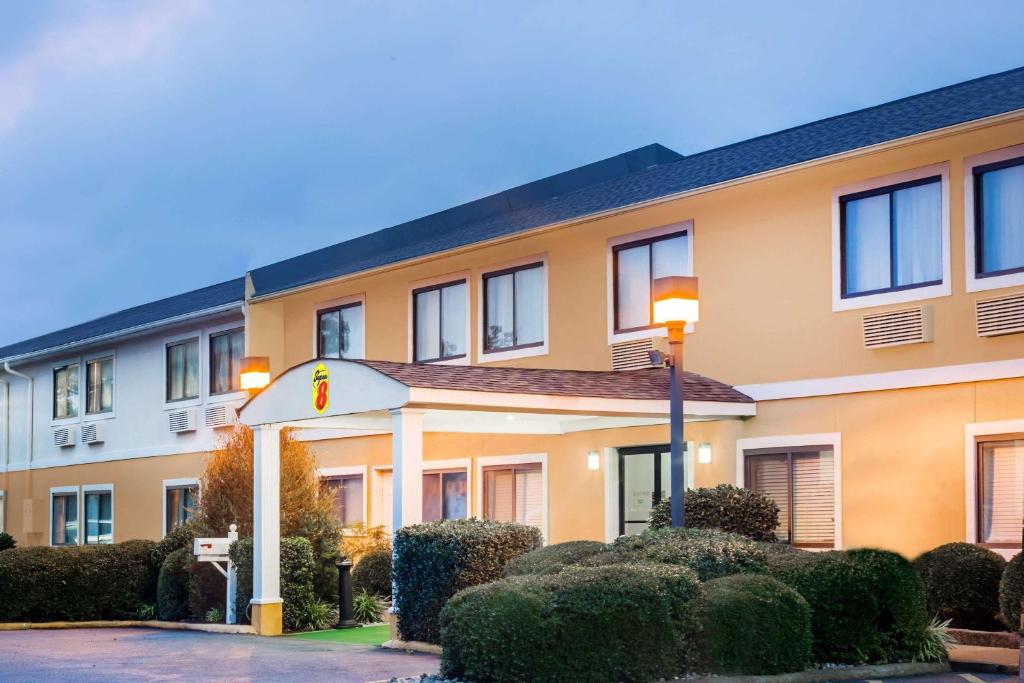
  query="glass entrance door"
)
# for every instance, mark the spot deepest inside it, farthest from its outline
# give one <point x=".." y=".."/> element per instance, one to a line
<point x="644" y="479"/>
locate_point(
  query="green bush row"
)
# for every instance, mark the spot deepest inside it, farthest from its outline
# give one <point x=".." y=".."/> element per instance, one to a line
<point x="726" y="507"/>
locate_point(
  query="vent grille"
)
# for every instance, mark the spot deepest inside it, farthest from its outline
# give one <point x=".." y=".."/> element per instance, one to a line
<point x="895" y="328"/>
<point x="632" y="355"/>
<point x="1004" y="315"/>
<point x="180" y="421"/>
<point x="219" y="416"/>
<point x="92" y="433"/>
<point x="64" y="437"/>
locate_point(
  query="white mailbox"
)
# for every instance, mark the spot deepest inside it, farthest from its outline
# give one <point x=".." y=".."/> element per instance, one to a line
<point x="216" y="550"/>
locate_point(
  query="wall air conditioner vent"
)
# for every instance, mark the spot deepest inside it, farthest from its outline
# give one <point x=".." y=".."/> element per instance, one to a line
<point x="181" y="421"/>
<point x="632" y="355"/>
<point x="1004" y="315"/>
<point x="64" y="437"/>
<point x="895" y="328"/>
<point x="92" y="433"/>
<point x="219" y="416"/>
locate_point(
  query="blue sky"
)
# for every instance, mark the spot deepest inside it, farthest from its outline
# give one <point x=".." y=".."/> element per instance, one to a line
<point x="151" y="148"/>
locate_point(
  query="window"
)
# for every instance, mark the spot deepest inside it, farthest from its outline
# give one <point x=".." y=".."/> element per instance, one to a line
<point x="180" y="502"/>
<point x="439" y="322"/>
<point x="183" y="370"/>
<point x="801" y="481"/>
<point x="3" y="511"/>
<point x="382" y="499"/>
<point x="999" y="218"/>
<point x="635" y="267"/>
<point x="347" y="491"/>
<point x="1001" y="491"/>
<point x="514" y="493"/>
<point x="514" y="308"/>
<point x="99" y="517"/>
<point x="64" y="519"/>
<point x="65" y="391"/>
<point x="891" y="238"/>
<point x="226" y="351"/>
<point x="341" y="332"/>
<point x="99" y="386"/>
<point x="444" y="495"/>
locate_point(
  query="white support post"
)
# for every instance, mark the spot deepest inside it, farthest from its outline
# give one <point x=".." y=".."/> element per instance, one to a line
<point x="230" y="611"/>
<point x="266" y="532"/>
<point x="406" y="471"/>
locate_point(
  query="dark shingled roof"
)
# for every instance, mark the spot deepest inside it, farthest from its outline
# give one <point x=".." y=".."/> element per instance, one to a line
<point x="645" y="174"/>
<point x="195" y="301"/>
<point x="650" y="383"/>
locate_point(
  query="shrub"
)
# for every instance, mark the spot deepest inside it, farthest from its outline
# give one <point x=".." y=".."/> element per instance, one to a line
<point x="368" y="608"/>
<point x="551" y="559"/>
<point x="1011" y="592"/>
<point x="724" y="507"/>
<point x="961" y="583"/>
<point x="361" y="540"/>
<point x="373" y="573"/>
<point x="434" y="561"/>
<point x="935" y="642"/>
<point x="844" y="610"/>
<point x="76" y="583"/>
<point x="754" y="625"/>
<point x="709" y="552"/>
<point x="172" y="592"/>
<point x="214" y="615"/>
<point x="298" y="567"/>
<point x="7" y="541"/>
<point x="315" y="615"/>
<point x="615" y="623"/>
<point x="902" y="618"/>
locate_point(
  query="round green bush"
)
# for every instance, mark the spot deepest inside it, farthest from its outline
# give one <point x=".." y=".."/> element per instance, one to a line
<point x="709" y="552"/>
<point x="961" y="582"/>
<point x="1011" y="592"/>
<point x="754" y="625"/>
<point x="844" y="610"/>
<point x="902" y="617"/>
<point x="373" y="573"/>
<point x="724" y="507"/>
<point x="172" y="589"/>
<point x="551" y="559"/>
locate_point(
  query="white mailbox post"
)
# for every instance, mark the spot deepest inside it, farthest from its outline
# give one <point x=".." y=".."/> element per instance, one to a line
<point x="215" y="550"/>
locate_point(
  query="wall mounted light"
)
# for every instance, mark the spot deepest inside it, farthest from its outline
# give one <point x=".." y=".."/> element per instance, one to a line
<point x="704" y="454"/>
<point x="255" y="372"/>
<point x="593" y="461"/>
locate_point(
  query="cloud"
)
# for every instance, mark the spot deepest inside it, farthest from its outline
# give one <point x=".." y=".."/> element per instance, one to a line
<point x="94" y="42"/>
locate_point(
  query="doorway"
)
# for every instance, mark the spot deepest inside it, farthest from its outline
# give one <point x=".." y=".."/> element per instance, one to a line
<point x="644" y="479"/>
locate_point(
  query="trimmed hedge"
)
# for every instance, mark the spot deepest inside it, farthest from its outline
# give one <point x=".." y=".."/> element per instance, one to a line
<point x="709" y="552"/>
<point x="373" y="573"/>
<point x="434" y="561"/>
<point x="298" y="568"/>
<point x="612" y="623"/>
<point x="552" y="559"/>
<point x="843" y="607"/>
<point x="173" y="586"/>
<point x="754" y="625"/>
<point x="902" y="617"/>
<point x="77" y="583"/>
<point x="724" y="507"/>
<point x="1011" y="592"/>
<point x="961" y="582"/>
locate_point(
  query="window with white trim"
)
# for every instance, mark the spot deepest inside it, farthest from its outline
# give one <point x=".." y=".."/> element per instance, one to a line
<point x="1001" y="491"/>
<point x="99" y="386"/>
<point x="801" y="481"/>
<point x="439" y="322"/>
<point x="65" y="391"/>
<point x="383" y="493"/>
<point x="64" y="518"/>
<point x="183" y="370"/>
<point x="513" y="301"/>
<point x="347" y="491"/>
<point x="635" y="266"/>
<point x="179" y="505"/>
<point x="445" y="495"/>
<point x="340" y="331"/>
<point x="514" y="493"/>
<point x="98" y="506"/>
<point x="226" y="351"/>
<point x="998" y="218"/>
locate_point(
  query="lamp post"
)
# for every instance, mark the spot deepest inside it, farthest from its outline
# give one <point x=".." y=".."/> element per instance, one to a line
<point x="675" y="305"/>
<point x="255" y="373"/>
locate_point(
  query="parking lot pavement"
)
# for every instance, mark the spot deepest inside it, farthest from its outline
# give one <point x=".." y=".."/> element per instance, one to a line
<point x="120" y="654"/>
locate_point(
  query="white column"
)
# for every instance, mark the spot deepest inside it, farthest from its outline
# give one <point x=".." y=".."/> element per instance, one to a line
<point x="407" y="467"/>
<point x="266" y="515"/>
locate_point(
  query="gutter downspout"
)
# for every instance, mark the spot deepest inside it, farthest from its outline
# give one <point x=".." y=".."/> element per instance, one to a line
<point x="5" y="394"/>
<point x="28" y="411"/>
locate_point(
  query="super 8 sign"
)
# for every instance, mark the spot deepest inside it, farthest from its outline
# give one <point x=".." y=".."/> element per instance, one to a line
<point x="321" y="388"/>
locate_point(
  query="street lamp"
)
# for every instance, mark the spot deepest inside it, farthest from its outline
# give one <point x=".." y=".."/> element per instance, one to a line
<point x="255" y="373"/>
<point x="675" y="305"/>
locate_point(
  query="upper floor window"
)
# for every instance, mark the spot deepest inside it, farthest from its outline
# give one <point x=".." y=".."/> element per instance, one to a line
<point x="1001" y="491"/>
<point x="999" y="218"/>
<point x="99" y="386"/>
<point x="183" y="370"/>
<point x="635" y="267"/>
<point x="514" y="308"/>
<point x="891" y="238"/>
<point x="439" y="322"/>
<point x="340" y="331"/>
<point x="226" y="351"/>
<point x="801" y="481"/>
<point x="65" y="391"/>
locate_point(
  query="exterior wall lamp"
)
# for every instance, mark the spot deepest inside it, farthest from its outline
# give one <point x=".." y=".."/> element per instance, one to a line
<point x="593" y="461"/>
<point x="676" y="304"/>
<point x="255" y="373"/>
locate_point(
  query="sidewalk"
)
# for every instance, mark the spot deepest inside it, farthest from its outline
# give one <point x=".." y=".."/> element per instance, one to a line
<point x="978" y="658"/>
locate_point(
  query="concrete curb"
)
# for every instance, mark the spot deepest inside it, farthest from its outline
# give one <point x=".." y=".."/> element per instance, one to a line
<point x="130" y="623"/>
<point x="868" y="671"/>
<point x="413" y="645"/>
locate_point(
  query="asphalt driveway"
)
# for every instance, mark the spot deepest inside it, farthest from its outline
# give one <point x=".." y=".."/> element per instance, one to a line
<point x="119" y="654"/>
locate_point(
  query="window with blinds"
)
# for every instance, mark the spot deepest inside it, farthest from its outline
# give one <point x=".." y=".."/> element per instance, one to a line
<point x="1001" y="491"/>
<point x="514" y="494"/>
<point x="802" y="484"/>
